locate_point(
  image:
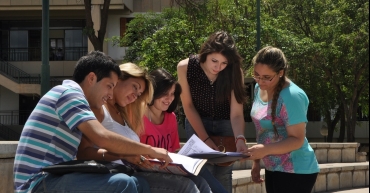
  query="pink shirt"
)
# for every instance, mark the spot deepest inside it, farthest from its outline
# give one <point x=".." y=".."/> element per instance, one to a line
<point x="164" y="135"/>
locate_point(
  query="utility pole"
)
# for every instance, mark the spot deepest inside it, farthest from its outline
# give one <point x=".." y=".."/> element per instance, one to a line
<point x="45" y="68"/>
<point x="258" y="43"/>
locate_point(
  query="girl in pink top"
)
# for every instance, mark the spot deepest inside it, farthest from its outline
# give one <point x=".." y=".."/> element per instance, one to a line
<point x="161" y="125"/>
<point x="160" y="120"/>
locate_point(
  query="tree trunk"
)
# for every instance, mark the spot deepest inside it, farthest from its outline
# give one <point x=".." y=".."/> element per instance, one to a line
<point x="96" y="41"/>
<point x="332" y="123"/>
<point x="342" y="129"/>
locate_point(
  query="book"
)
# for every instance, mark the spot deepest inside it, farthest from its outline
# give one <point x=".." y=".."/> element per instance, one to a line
<point x="196" y="148"/>
<point x="180" y="165"/>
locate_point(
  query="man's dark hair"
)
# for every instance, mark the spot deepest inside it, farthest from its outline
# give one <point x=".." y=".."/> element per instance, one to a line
<point x="99" y="63"/>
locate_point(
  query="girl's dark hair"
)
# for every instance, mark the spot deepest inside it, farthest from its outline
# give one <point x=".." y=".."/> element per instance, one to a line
<point x="231" y="77"/>
<point x="275" y="59"/>
<point x="95" y="61"/>
<point x="162" y="83"/>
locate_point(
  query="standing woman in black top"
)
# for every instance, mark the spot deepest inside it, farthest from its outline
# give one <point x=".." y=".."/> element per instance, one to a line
<point x="213" y="96"/>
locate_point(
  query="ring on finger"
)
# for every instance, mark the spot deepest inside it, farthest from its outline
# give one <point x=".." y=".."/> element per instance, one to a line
<point x="142" y="158"/>
<point x="140" y="162"/>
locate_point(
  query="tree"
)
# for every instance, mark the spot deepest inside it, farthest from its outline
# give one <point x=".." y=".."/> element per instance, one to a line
<point x="96" y="40"/>
<point x="326" y="43"/>
<point x="339" y="33"/>
<point x="162" y="40"/>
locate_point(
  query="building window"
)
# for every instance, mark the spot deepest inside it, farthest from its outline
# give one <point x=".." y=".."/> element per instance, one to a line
<point x="75" y="44"/>
<point x="18" y="43"/>
<point x="123" y="26"/>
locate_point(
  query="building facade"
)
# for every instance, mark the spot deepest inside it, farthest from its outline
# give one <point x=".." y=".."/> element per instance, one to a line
<point x="21" y="42"/>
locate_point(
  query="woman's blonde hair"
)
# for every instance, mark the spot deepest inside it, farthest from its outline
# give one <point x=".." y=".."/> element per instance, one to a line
<point x="133" y="113"/>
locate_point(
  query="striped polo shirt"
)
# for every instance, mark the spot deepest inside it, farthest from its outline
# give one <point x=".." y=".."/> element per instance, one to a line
<point x="50" y="135"/>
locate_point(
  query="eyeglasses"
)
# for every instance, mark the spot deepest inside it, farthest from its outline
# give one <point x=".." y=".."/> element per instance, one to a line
<point x="263" y="79"/>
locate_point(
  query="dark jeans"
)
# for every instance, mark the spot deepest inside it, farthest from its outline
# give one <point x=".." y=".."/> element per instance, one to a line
<point x="222" y="173"/>
<point x="91" y="182"/>
<point x="278" y="182"/>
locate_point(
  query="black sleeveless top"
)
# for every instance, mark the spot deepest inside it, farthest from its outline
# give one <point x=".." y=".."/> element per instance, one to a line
<point x="203" y="93"/>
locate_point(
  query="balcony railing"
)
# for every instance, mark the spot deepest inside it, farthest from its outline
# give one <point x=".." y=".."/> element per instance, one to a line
<point x="19" y="76"/>
<point x="34" y="54"/>
<point x="8" y="134"/>
<point x="14" y="117"/>
<point x="13" y="72"/>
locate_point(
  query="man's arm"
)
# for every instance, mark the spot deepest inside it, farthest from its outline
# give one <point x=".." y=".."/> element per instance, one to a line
<point x="118" y="144"/>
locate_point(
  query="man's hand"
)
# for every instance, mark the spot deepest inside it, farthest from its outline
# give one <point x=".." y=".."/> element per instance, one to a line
<point x="139" y="160"/>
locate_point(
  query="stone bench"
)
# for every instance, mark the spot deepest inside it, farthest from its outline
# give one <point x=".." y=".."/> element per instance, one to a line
<point x="7" y="152"/>
<point x="333" y="176"/>
<point x="325" y="153"/>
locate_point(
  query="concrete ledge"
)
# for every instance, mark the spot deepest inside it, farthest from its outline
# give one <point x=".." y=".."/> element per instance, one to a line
<point x="334" y="176"/>
<point x="8" y="149"/>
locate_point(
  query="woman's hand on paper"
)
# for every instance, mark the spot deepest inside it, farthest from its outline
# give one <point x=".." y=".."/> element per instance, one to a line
<point x="241" y="146"/>
<point x="211" y="144"/>
<point x="256" y="152"/>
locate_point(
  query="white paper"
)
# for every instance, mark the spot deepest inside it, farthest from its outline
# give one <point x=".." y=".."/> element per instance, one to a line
<point x="195" y="145"/>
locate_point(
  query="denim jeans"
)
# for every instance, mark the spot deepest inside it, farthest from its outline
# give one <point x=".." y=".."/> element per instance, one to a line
<point x="216" y="127"/>
<point x="212" y="182"/>
<point x="89" y="182"/>
<point x="170" y="183"/>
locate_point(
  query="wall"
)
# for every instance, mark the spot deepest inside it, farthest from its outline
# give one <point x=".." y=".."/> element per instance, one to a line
<point x="57" y="68"/>
<point x="113" y="29"/>
<point x="8" y="99"/>
<point x="312" y="132"/>
<point x="150" y="5"/>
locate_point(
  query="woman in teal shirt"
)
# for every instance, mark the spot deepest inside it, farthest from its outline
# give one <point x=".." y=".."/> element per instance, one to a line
<point x="279" y="113"/>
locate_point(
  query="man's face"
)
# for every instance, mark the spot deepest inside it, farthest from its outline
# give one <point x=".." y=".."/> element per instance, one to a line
<point x="102" y="91"/>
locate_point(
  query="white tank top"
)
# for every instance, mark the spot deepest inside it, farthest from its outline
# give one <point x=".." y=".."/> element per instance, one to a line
<point x="112" y="125"/>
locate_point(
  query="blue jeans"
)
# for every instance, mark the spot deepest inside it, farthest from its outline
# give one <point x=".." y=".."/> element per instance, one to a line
<point x="215" y="127"/>
<point x="96" y="183"/>
<point x="170" y="183"/>
<point x="212" y="182"/>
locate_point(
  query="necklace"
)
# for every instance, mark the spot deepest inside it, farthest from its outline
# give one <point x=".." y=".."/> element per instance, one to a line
<point x="211" y="80"/>
<point x="114" y="108"/>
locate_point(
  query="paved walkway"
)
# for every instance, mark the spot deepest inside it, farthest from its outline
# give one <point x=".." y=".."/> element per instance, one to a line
<point x="358" y="190"/>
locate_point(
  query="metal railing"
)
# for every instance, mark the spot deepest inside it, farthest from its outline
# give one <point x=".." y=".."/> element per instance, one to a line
<point x="34" y="54"/>
<point x="21" y="77"/>
<point x="14" y="117"/>
<point x="13" y="73"/>
<point x="8" y="134"/>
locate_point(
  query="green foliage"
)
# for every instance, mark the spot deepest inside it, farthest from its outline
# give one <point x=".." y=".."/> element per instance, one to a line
<point x="162" y="40"/>
<point x="326" y="42"/>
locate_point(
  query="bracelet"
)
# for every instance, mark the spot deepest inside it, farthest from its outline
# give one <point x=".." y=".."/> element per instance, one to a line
<point x="240" y="137"/>
<point x="245" y="141"/>
<point x="206" y="139"/>
<point x="103" y="155"/>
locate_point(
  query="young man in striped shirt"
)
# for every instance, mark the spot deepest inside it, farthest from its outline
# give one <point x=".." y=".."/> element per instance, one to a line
<point x="53" y="132"/>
